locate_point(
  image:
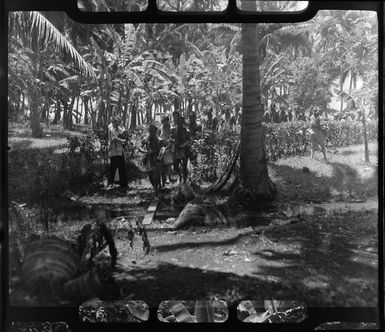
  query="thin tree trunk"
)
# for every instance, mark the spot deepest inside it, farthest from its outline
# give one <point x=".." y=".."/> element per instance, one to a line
<point x="56" y="119"/>
<point x="93" y="116"/>
<point x="365" y="135"/>
<point x="126" y="110"/>
<point x="148" y="113"/>
<point x="46" y="113"/>
<point x="34" y="92"/>
<point x="70" y="112"/>
<point x="78" y="114"/>
<point x="102" y="117"/>
<point x="85" y="103"/>
<point x="23" y="104"/>
<point x="108" y="104"/>
<point x="34" y="113"/>
<point x="342" y="99"/>
<point x="65" y="114"/>
<point x="119" y="106"/>
<point x="351" y="83"/>
<point x="133" y="116"/>
<point x="176" y="104"/>
<point x="190" y="105"/>
<point x="17" y="107"/>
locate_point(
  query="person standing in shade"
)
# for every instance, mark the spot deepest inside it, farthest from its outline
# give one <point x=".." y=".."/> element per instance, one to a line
<point x="193" y="125"/>
<point x="167" y="151"/>
<point x="116" y="153"/>
<point x="150" y="146"/>
<point x="181" y="137"/>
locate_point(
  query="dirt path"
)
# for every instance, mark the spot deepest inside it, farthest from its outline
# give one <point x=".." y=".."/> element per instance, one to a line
<point x="321" y="260"/>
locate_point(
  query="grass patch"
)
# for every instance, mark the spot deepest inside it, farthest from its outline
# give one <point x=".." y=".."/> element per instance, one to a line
<point x="343" y="177"/>
<point x="20" y="137"/>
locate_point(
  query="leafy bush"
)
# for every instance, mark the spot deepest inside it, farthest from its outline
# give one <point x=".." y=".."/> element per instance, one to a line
<point x="214" y="151"/>
<point x="40" y="175"/>
<point x="83" y="163"/>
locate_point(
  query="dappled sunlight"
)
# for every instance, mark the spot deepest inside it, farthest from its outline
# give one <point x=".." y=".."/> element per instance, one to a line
<point x="340" y="178"/>
<point x="318" y="167"/>
<point x="317" y="282"/>
<point x="171" y="160"/>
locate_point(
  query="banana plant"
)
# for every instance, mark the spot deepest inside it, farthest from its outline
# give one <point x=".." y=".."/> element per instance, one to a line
<point x="125" y="69"/>
<point x="36" y="32"/>
<point x="360" y="101"/>
<point x="222" y="70"/>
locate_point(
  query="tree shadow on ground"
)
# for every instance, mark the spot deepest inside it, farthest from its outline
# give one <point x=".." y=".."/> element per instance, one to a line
<point x="295" y="184"/>
<point x="20" y="145"/>
<point x="354" y="152"/>
<point x="188" y="245"/>
<point x="174" y="282"/>
<point x="302" y="262"/>
<point x="327" y="257"/>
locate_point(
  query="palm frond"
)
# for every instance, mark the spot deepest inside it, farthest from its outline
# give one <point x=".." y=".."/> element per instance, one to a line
<point x="48" y="32"/>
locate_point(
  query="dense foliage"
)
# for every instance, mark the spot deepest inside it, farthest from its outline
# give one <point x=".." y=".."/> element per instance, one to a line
<point x="62" y="72"/>
<point x="146" y="70"/>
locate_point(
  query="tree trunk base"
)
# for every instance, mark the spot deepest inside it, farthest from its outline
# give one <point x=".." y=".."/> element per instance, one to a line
<point x="266" y="196"/>
<point x="249" y="199"/>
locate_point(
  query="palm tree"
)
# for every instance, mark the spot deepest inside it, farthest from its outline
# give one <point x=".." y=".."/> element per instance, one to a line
<point x="253" y="167"/>
<point x="34" y="31"/>
<point x="257" y="42"/>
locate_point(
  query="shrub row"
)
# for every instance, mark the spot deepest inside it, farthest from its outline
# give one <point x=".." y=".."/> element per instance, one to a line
<point x="287" y="139"/>
<point x="282" y="140"/>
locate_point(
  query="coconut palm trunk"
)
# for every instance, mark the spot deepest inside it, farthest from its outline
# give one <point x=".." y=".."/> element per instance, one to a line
<point x="253" y="167"/>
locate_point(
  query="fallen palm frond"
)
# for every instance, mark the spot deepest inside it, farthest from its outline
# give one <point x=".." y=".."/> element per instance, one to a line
<point x="98" y="282"/>
<point x="48" y="263"/>
<point x="93" y="238"/>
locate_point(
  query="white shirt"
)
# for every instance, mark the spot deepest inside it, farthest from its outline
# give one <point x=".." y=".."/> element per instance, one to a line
<point x="115" y="147"/>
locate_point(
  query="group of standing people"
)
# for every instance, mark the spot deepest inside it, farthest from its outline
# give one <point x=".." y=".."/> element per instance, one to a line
<point x="227" y="120"/>
<point x="282" y="114"/>
<point x="166" y="150"/>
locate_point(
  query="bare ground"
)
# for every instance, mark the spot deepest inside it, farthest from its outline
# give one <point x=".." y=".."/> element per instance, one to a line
<point x="318" y="244"/>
